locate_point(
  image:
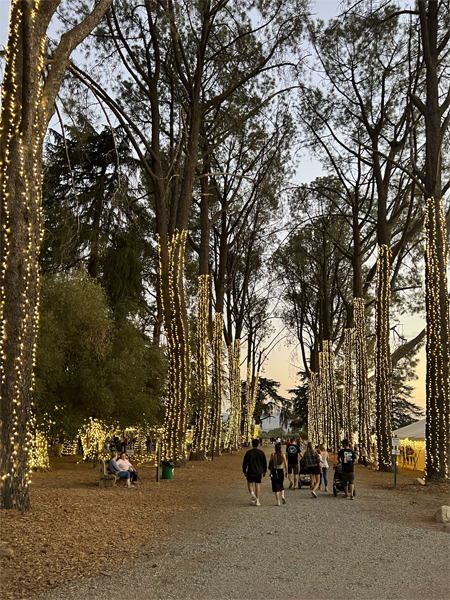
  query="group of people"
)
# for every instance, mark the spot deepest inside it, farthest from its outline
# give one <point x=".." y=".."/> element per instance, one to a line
<point x="315" y="460"/>
<point x="123" y="468"/>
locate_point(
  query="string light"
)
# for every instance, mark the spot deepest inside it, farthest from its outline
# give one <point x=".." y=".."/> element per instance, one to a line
<point x="348" y="409"/>
<point x="363" y="401"/>
<point x="26" y="289"/>
<point x="383" y="367"/>
<point x="217" y="380"/>
<point x="437" y="344"/>
<point x="202" y="430"/>
<point x="177" y="332"/>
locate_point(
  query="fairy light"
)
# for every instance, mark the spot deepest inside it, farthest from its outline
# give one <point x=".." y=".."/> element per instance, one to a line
<point x="363" y="401"/>
<point x="348" y="408"/>
<point x="177" y="332"/>
<point x="202" y="431"/>
<point x="314" y="421"/>
<point x="437" y="343"/>
<point x="383" y="367"/>
<point x="20" y="379"/>
<point x="217" y="379"/>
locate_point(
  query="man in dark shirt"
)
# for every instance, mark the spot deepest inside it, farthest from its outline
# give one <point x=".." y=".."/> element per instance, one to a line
<point x="254" y="467"/>
<point x="293" y="454"/>
<point x="347" y="458"/>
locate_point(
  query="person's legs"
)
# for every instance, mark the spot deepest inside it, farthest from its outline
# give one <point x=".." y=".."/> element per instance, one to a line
<point x="290" y="477"/>
<point x="320" y="482"/>
<point x="351" y="486"/>
<point x="257" y="490"/>
<point x="325" y="478"/>
<point x="316" y="485"/>
<point x="250" y="487"/>
<point x="345" y="484"/>
<point x="295" y="482"/>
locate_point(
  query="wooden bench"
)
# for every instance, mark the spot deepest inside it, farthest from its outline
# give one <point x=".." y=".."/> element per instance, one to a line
<point x="105" y="479"/>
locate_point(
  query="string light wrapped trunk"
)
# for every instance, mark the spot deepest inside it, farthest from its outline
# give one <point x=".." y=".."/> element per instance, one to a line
<point x="202" y="429"/>
<point x="437" y="431"/>
<point x="177" y="333"/>
<point x="217" y="381"/>
<point x="27" y="107"/>
<point x="362" y="389"/>
<point x="383" y="367"/>
<point x="348" y="408"/>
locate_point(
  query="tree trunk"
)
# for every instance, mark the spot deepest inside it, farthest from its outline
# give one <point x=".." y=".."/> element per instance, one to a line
<point x="363" y="402"/>
<point x="177" y="332"/>
<point x="27" y="107"/>
<point x="217" y="382"/>
<point x="438" y="351"/>
<point x="383" y="368"/>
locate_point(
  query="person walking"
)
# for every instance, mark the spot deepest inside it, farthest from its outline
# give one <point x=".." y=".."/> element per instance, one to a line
<point x="364" y="454"/>
<point x="347" y="458"/>
<point x="278" y="463"/>
<point x="312" y="460"/>
<point x="254" y="466"/>
<point x="324" y="464"/>
<point x="293" y="454"/>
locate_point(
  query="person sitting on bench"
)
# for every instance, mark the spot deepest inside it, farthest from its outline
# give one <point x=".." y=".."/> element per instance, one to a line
<point x="124" y="463"/>
<point x="114" y="468"/>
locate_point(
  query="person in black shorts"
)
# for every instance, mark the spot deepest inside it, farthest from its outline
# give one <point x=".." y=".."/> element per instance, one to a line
<point x="347" y="458"/>
<point x="293" y="454"/>
<point x="254" y="466"/>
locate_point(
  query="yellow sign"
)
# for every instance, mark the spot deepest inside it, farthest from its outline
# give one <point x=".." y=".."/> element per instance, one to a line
<point x="256" y="432"/>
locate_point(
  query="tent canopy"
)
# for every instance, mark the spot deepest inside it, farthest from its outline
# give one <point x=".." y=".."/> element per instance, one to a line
<point x="415" y="431"/>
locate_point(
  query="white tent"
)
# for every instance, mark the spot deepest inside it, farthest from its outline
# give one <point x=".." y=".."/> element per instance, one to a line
<point x="415" y="431"/>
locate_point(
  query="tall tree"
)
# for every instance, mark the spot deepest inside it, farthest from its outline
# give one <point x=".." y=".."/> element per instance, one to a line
<point x="31" y="81"/>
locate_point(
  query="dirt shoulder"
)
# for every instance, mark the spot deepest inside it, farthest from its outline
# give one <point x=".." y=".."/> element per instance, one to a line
<point x="76" y="529"/>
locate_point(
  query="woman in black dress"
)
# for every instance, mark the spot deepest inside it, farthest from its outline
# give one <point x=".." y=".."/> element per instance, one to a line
<point x="277" y="473"/>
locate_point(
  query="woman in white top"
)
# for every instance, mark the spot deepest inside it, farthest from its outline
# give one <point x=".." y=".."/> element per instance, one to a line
<point x="324" y="462"/>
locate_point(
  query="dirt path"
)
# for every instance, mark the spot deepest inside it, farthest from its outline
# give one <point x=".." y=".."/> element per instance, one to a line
<point x="197" y="537"/>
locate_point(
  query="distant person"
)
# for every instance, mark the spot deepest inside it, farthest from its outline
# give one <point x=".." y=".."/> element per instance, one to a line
<point x="114" y="468"/>
<point x="254" y="466"/>
<point x="364" y="454"/>
<point x="324" y="463"/>
<point x="293" y="455"/>
<point x="347" y="458"/>
<point x="312" y="460"/>
<point x="278" y="461"/>
<point x="125" y="465"/>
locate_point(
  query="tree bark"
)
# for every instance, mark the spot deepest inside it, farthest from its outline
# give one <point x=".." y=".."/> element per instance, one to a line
<point x="27" y="107"/>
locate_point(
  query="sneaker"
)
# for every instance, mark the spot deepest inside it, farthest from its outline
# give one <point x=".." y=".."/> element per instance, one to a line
<point x="291" y="486"/>
<point x="345" y="496"/>
<point x="278" y="503"/>
<point x="352" y="497"/>
<point x="253" y="501"/>
<point x="129" y="487"/>
<point x="283" y="499"/>
<point x="320" y="488"/>
<point x="326" y="489"/>
<point x="314" y="494"/>
<point x="258" y="503"/>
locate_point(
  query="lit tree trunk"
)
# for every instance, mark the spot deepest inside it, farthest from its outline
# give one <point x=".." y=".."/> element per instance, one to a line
<point x="383" y="369"/>
<point x="177" y="332"/>
<point x="348" y="407"/>
<point x="27" y="107"/>
<point x="202" y="429"/>
<point x="362" y="381"/>
<point x="435" y="110"/>
<point x="438" y="350"/>
<point x="217" y="381"/>
<point x="314" y="421"/>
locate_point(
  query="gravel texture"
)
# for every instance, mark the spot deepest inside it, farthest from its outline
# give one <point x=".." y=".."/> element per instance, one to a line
<point x="316" y="549"/>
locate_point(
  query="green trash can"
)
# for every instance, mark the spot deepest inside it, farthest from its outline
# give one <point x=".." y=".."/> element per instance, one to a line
<point x="167" y="469"/>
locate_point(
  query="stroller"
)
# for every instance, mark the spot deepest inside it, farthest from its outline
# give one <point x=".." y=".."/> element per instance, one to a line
<point x="303" y="479"/>
<point x="338" y="486"/>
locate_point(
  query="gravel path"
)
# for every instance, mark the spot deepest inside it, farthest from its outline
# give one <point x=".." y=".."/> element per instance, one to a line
<point x="324" y="549"/>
